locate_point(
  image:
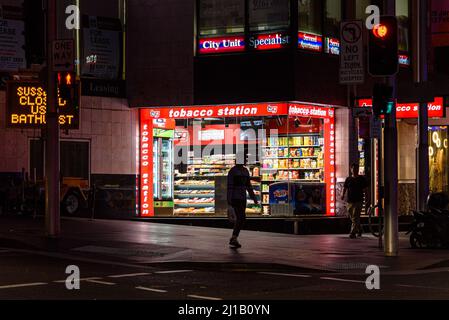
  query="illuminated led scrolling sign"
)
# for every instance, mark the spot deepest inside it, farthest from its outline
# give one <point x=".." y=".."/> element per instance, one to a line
<point x="269" y="41"/>
<point x="222" y="44"/>
<point x="27" y="107"/>
<point x="309" y="41"/>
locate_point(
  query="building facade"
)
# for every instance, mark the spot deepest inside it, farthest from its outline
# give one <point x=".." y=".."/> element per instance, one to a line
<point x="225" y="55"/>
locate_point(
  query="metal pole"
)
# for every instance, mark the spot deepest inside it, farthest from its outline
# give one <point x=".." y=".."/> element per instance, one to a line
<point x="420" y="76"/>
<point x="391" y="168"/>
<point x="52" y="218"/>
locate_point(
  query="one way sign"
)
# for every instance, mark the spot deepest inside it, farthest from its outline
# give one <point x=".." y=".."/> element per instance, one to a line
<point x="63" y="55"/>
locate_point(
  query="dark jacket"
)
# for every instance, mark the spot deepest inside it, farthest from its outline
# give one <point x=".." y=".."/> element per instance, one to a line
<point x="238" y="183"/>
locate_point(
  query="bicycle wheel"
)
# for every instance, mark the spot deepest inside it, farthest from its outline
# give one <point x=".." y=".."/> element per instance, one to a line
<point x="371" y="214"/>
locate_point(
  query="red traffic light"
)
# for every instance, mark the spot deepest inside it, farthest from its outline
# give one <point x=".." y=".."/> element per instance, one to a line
<point x="380" y="31"/>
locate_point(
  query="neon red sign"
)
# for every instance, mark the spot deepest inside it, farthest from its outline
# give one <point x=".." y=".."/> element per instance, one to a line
<point x="410" y="110"/>
<point x="269" y="41"/>
<point x="244" y="110"/>
<point x="309" y="41"/>
<point x="303" y="110"/>
<point x="146" y="167"/>
<point x="222" y="44"/>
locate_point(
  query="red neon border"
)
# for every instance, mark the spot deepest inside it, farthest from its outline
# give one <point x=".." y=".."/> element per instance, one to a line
<point x="290" y="109"/>
<point x="146" y="166"/>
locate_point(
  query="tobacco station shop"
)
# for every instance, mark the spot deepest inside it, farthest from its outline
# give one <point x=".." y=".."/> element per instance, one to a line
<point x="185" y="153"/>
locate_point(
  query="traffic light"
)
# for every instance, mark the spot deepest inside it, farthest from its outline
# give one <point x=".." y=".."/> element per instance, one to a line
<point x="66" y="85"/>
<point x="383" y="101"/>
<point x="383" y="47"/>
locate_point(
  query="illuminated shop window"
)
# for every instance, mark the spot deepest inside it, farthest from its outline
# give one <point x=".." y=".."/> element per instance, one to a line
<point x="221" y="17"/>
<point x="438" y="159"/>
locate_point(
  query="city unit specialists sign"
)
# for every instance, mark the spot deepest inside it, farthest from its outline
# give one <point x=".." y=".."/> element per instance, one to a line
<point x="27" y="107"/>
<point x="222" y="44"/>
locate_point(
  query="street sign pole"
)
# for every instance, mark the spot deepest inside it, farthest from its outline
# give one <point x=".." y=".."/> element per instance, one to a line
<point x="391" y="248"/>
<point x="52" y="206"/>
<point x="420" y="76"/>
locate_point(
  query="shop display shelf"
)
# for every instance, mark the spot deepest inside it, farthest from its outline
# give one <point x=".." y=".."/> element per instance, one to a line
<point x="293" y="146"/>
<point x="194" y="205"/>
<point x="194" y="195"/>
<point x="212" y="166"/>
<point x="194" y="186"/>
<point x="293" y="180"/>
<point x="186" y="213"/>
<point x="303" y="157"/>
<point x="309" y="146"/>
<point x="271" y="169"/>
<point x="194" y="177"/>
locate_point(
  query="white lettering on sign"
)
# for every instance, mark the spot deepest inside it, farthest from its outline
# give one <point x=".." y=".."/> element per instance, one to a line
<point x="63" y="55"/>
<point x="215" y="45"/>
<point x="303" y="111"/>
<point x="277" y="39"/>
<point x="202" y="113"/>
<point x="351" y="57"/>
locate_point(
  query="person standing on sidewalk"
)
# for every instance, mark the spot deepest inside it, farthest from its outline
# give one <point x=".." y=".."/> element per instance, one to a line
<point x="239" y="183"/>
<point x="356" y="186"/>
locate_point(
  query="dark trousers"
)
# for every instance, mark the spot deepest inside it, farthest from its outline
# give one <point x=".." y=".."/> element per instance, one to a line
<point x="240" y="216"/>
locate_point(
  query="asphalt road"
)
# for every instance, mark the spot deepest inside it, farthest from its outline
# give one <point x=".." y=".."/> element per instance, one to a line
<point x="35" y="275"/>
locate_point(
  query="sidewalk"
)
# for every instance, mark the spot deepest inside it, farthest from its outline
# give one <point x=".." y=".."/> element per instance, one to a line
<point x="146" y="243"/>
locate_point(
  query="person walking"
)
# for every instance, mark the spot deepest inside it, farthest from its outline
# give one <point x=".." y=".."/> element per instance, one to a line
<point x="357" y="187"/>
<point x="238" y="184"/>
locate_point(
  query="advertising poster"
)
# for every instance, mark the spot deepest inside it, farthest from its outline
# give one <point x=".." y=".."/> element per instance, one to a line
<point x="101" y="47"/>
<point x="12" y="44"/>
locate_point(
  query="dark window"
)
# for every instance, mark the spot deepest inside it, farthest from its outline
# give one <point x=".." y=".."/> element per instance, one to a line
<point x="269" y="15"/>
<point x="332" y="18"/>
<point x="310" y="16"/>
<point x="441" y="60"/>
<point x="402" y="14"/>
<point x="221" y="17"/>
<point x="75" y="159"/>
<point x="360" y="8"/>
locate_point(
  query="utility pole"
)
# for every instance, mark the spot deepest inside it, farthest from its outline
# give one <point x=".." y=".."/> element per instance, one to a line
<point x="391" y="165"/>
<point x="52" y="218"/>
<point x="420" y="77"/>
